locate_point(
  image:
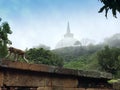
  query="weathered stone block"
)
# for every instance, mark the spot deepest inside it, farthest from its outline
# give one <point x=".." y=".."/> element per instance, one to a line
<point x="57" y="82"/>
<point x="70" y="83"/>
<point x="22" y="79"/>
<point x="64" y="82"/>
<point x="27" y="66"/>
<point x="1" y="78"/>
<point x="65" y="71"/>
<point x="52" y="69"/>
<point x="48" y="82"/>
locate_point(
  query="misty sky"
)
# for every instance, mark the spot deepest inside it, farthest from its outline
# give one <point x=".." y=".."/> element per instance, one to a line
<point x="35" y="22"/>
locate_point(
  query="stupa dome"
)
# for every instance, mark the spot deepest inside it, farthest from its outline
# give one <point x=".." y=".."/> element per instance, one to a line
<point x="68" y="40"/>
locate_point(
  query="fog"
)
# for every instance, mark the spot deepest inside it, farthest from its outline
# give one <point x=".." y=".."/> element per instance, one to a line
<point x="45" y="21"/>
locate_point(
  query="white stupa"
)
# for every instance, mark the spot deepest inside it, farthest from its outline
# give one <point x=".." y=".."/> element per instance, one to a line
<point x="68" y="40"/>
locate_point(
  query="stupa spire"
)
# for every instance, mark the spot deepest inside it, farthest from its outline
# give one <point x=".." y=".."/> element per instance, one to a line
<point x="68" y="33"/>
<point x="68" y="40"/>
<point x="68" y="28"/>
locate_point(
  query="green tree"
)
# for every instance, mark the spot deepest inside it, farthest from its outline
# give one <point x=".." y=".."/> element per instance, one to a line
<point x="86" y="62"/>
<point x="114" y="5"/>
<point x="4" y="31"/>
<point x="42" y="56"/>
<point x="70" y="53"/>
<point x="109" y="59"/>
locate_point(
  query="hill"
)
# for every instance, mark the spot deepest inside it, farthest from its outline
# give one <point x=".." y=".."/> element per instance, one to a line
<point x="85" y="57"/>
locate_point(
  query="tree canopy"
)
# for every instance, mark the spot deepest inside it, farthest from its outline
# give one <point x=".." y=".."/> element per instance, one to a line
<point x="4" y="31"/>
<point x="109" y="59"/>
<point x="113" y="5"/>
<point x="42" y="56"/>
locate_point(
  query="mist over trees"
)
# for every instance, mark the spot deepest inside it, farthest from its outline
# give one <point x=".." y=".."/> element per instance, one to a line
<point x="42" y="46"/>
<point x="86" y="41"/>
<point x="113" y="41"/>
<point x="93" y="57"/>
<point x="69" y="53"/>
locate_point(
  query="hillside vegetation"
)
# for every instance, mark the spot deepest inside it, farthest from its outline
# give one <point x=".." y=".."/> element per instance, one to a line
<point x="93" y="57"/>
<point x="82" y="57"/>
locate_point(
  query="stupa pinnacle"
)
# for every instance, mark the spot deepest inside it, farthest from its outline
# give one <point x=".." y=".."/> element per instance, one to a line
<point x="68" y="33"/>
<point x="68" y="39"/>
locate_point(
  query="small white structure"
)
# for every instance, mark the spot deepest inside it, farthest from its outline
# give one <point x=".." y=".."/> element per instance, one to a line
<point x="68" y="40"/>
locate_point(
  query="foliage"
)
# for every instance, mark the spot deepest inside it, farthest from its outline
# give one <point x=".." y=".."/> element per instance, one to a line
<point x="114" y="5"/>
<point x="86" y="57"/>
<point x="78" y="63"/>
<point x="109" y="59"/>
<point x="71" y="53"/>
<point x="42" y="56"/>
<point x="88" y="62"/>
<point x="4" y="31"/>
<point x="81" y="57"/>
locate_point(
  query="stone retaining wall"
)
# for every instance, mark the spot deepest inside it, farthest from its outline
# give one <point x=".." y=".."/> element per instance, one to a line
<point x="24" y="76"/>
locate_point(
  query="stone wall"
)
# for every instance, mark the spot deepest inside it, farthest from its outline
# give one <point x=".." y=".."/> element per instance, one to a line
<point x="24" y="76"/>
